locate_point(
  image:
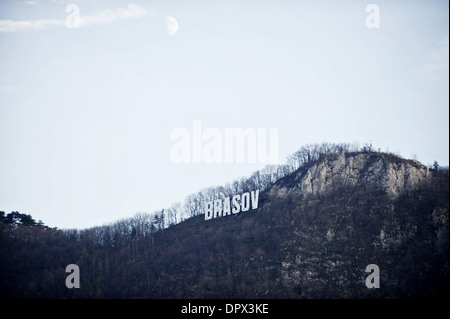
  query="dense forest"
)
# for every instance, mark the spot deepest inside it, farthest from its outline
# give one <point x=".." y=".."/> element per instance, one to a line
<point x="175" y="253"/>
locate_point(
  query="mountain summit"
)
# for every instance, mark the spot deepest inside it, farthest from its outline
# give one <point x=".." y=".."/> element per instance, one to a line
<point x="367" y="170"/>
<point x="349" y="210"/>
<point x="314" y="234"/>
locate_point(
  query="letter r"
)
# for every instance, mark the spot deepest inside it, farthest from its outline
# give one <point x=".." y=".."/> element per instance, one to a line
<point x="217" y="208"/>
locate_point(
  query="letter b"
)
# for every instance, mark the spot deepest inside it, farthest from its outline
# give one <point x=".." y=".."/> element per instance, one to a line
<point x="73" y="280"/>
<point x="208" y="210"/>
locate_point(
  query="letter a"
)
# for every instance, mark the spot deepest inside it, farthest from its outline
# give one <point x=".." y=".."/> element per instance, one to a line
<point x="373" y="280"/>
<point x="373" y="19"/>
<point x="226" y="206"/>
<point x="183" y="146"/>
<point x="73" y="19"/>
<point x="73" y="280"/>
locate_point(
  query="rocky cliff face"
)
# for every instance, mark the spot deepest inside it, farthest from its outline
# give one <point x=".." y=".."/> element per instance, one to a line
<point x="367" y="170"/>
<point x="356" y="209"/>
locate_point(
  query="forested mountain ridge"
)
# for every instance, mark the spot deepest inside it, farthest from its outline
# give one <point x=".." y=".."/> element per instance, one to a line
<point x="317" y="227"/>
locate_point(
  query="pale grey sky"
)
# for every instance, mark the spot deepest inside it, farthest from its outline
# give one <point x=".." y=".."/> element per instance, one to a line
<point x="86" y="113"/>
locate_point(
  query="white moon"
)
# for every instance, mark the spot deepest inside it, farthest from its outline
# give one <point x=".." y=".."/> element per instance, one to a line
<point x="172" y="25"/>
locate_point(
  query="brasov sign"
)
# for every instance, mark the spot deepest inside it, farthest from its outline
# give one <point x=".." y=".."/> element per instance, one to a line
<point x="234" y="205"/>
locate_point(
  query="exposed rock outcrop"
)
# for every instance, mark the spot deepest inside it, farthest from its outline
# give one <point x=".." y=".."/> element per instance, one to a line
<point x="363" y="208"/>
<point x="368" y="170"/>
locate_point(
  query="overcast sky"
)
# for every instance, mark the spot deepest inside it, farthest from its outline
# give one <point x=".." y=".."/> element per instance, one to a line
<point x="86" y="113"/>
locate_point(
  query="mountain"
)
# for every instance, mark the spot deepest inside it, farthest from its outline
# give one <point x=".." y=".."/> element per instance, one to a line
<point x="313" y="235"/>
<point x="352" y="210"/>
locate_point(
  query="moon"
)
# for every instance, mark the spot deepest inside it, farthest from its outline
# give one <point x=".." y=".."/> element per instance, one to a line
<point x="171" y="25"/>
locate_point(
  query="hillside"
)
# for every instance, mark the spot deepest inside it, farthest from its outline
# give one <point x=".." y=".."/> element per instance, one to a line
<point x="312" y="236"/>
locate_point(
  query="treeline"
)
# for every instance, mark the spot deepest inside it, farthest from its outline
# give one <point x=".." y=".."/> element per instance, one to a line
<point x="16" y="218"/>
<point x="147" y="224"/>
<point x="260" y="179"/>
<point x="144" y="225"/>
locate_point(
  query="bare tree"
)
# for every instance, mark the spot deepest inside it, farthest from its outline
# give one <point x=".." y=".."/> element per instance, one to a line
<point x="174" y="214"/>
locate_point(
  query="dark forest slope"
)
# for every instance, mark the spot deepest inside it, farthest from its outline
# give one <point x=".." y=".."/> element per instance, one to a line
<point x="313" y="235"/>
